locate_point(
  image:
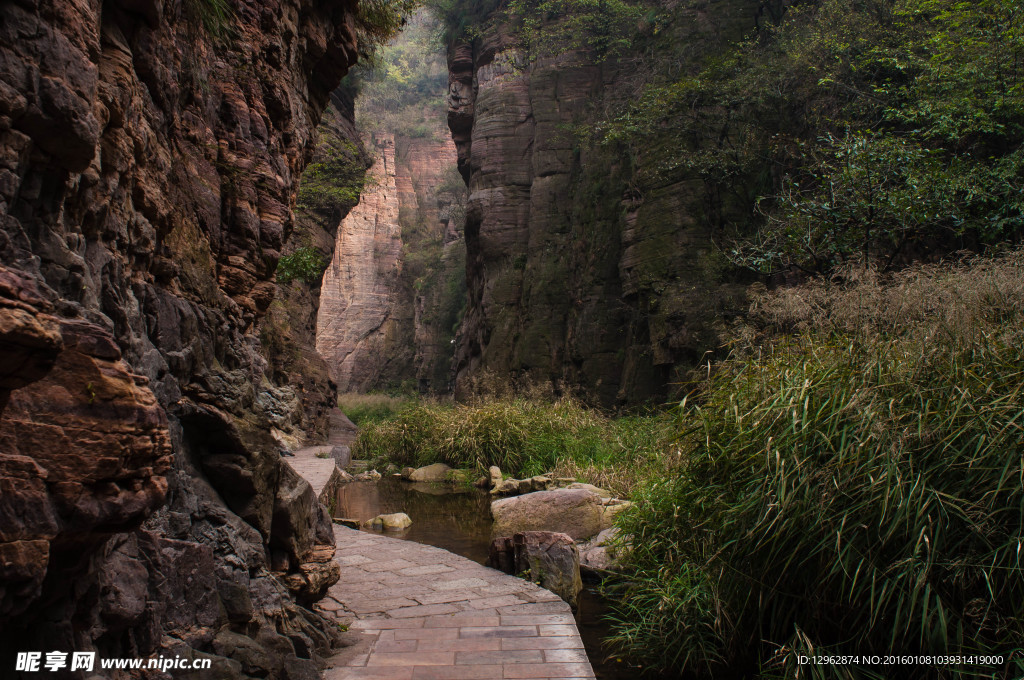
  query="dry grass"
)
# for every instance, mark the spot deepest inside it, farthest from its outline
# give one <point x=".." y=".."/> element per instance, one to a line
<point x="950" y="303"/>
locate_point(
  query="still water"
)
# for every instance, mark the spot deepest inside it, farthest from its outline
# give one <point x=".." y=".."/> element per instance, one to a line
<point x="458" y="519"/>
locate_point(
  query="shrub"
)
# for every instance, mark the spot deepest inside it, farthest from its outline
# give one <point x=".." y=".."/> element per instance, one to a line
<point x="854" y="487"/>
<point x="214" y="16"/>
<point x="305" y="264"/>
<point x="331" y="184"/>
<point x="378" y="21"/>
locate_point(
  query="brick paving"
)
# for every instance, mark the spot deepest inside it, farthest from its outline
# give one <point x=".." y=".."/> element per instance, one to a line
<point x="424" y="613"/>
<point x="316" y="471"/>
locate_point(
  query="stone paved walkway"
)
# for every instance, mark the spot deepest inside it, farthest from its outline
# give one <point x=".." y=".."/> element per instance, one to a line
<point x="316" y="471"/>
<point x="424" y="613"/>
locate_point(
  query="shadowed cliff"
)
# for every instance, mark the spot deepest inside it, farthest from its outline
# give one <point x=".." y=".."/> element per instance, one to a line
<point x="149" y="158"/>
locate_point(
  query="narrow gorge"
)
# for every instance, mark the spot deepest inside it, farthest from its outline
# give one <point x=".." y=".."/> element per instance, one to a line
<point x="317" y="316"/>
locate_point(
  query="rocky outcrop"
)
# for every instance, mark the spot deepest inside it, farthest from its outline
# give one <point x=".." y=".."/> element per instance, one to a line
<point x="549" y="559"/>
<point x="385" y="312"/>
<point x="149" y="155"/>
<point x="360" y="318"/>
<point x="575" y="512"/>
<point x="288" y="330"/>
<point x="585" y="265"/>
<point x="84" y="446"/>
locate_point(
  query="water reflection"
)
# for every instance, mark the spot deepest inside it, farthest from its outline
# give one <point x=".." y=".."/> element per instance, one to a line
<point x="458" y="519"/>
<point x="454" y="518"/>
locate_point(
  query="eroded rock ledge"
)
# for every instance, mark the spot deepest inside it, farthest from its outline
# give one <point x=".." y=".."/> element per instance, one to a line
<point x="149" y="155"/>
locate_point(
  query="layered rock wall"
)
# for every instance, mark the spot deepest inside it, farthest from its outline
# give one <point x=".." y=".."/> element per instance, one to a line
<point x="149" y="156"/>
<point x="379" y="323"/>
<point x="288" y="331"/>
<point x="360" y="316"/>
<point x="583" y="268"/>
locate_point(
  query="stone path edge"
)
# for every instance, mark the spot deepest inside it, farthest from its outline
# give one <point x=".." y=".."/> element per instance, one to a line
<point x="417" y="612"/>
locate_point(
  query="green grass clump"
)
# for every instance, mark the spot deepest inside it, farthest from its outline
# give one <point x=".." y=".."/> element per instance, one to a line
<point x="215" y="16"/>
<point x="523" y="436"/>
<point x="363" y="409"/>
<point x="854" y="488"/>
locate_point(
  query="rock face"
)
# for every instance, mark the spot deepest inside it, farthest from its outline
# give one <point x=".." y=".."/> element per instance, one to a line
<point x="359" y="316"/>
<point x="84" y="446"/>
<point x="379" y="323"/>
<point x="288" y="330"/>
<point x="583" y="266"/>
<point x="549" y="559"/>
<point x="149" y="155"/>
<point x="575" y="512"/>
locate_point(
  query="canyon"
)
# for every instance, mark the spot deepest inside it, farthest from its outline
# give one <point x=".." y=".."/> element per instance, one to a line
<point x="392" y="297"/>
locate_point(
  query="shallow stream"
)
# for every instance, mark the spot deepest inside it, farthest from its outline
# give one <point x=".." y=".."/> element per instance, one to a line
<point x="458" y="519"/>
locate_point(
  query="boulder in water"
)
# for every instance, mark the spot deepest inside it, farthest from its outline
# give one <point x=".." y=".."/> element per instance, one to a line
<point x="438" y="472"/>
<point x="549" y="559"/>
<point x="576" y="512"/>
<point x="394" y="522"/>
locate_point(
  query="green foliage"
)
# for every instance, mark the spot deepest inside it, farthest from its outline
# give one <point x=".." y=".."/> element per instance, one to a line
<point x="331" y="184"/>
<point x="854" y="487"/>
<point x="887" y="129"/>
<point x="403" y="89"/>
<point x="870" y="195"/>
<point x="459" y="19"/>
<point x="305" y="264"/>
<point x="379" y="21"/>
<point x="522" y="435"/>
<point x="605" y="28"/>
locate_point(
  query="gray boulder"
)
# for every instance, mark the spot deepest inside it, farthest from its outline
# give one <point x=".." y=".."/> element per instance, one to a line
<point x="549" y="559"/>
<point x="438" y="472"/>
<point x="342" y="456"/>
<point x="576" y="512"/>
<point x="597" y="556"/>
<point x="590" y="487"/>
<point x="610" y="507"/>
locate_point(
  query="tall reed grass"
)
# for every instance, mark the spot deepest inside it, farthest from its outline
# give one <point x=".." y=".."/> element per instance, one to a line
<point x="854" y="486"/>
<point x="523" y="435"/>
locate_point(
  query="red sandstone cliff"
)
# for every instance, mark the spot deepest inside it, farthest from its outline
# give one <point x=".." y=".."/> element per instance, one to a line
<point x="149" y="155"/>
<point x="381" y="321"/>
